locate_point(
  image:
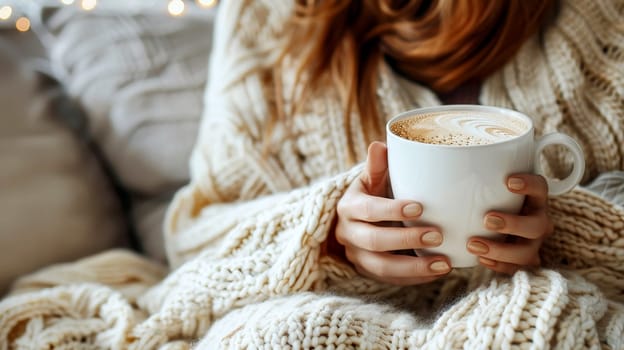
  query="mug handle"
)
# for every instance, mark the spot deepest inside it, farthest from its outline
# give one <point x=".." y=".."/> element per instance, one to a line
<point x="557" y="187"/>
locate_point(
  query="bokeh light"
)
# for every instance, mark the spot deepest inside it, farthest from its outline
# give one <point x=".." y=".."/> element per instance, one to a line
<point x="206" y="3"/>
<point x="5" y="12"/>
<point x="88" y="5"/>
<point x="22" y="24"/>
<point x="176" y="7"/>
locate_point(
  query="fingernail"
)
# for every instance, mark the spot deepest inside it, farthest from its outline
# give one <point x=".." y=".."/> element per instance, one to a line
<point x="413" y="209"/>
<point x="493" y="222"/>
<point x="515" y="183"/>
<point x="478" y="248"/>
<point x="439" y="266"/>
<point x="432" y="238"/>
<point x="486" y="261"/>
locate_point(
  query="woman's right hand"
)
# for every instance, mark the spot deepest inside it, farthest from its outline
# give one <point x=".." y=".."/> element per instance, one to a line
<point x="365" y="228"/>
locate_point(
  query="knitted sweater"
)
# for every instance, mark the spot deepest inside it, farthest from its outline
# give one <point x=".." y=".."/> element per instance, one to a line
<point x="244" y="236"/>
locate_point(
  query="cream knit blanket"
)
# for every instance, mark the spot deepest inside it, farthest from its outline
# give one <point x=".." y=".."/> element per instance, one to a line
<point x="244" y="236"/>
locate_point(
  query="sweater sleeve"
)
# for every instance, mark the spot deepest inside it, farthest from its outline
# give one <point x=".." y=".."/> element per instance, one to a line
<point x="244" y="229"/>
<point x="570" y="79"/>
<point x="229" y="171"/>
<point x="585" y="52"/>
<point x="253" y="250"/>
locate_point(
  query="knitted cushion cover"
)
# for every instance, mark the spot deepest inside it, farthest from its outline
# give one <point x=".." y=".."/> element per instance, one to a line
<point x="140" y="79"/>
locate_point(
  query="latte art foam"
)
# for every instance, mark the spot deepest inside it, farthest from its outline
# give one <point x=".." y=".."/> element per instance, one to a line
<point x="459" y="128"/>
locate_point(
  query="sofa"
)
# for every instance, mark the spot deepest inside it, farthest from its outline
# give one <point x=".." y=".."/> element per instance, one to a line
<point x="98" y="115"/>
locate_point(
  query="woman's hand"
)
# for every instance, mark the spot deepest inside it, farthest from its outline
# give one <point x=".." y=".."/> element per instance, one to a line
<point x="364" y="228"/>
<point x="526" y="231"/>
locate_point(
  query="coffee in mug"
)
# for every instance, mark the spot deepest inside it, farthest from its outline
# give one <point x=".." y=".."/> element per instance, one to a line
<point x="455" y="160"/>
<point x="459" y="129"/>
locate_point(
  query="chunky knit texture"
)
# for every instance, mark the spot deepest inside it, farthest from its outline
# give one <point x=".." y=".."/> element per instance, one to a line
<point x="245" y="235"/>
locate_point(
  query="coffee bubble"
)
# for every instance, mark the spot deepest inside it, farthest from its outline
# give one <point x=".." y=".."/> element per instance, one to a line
<point x="457" y="128"/>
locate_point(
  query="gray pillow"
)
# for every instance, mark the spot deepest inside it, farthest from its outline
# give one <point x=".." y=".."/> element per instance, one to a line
<point x="609" y="186"/>
<point x="140" y="78"/>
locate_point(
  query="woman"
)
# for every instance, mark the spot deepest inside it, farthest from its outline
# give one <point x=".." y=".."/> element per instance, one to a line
<point x="276" y="240"/>
<point x="451" y="48"/>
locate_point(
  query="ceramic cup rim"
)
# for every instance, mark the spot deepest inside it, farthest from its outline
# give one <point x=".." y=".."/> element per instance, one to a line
<point x="460" y="107"/>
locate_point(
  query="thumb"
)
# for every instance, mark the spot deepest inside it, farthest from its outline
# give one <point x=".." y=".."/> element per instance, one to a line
<point x="376" y="174"/>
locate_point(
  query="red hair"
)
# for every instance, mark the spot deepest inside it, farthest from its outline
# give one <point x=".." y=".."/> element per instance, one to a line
<point x="439" y="43"/>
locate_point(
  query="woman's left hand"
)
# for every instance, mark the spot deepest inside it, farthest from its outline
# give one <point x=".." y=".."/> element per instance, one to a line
<point x="526" y="231"/>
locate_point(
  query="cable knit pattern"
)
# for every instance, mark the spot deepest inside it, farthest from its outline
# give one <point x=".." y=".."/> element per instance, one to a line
<point x="506" y="314"/>
<point x="245" y="235"/>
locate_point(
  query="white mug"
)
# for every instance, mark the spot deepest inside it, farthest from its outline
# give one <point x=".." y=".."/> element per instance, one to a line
<point x="458" y="185"/>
